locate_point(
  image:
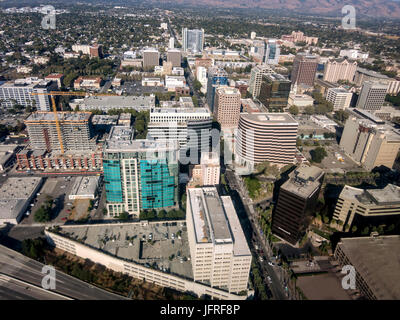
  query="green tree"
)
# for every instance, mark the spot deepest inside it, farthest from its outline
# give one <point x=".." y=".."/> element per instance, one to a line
<point x="318" y="154"/>
<point x="294" y="110"/>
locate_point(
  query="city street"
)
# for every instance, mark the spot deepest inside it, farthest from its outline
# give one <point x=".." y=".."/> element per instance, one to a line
<point x="257" y="239"/>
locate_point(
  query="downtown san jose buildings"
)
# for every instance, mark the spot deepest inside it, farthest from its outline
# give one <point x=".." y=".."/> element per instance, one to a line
<point x="298" y="36"/>
<point x="20" y="92"/>
<point x="151" y="57"/>
<point x="107" y="103"/>
<point x="190" y="127"/>
<point x="304" y="69"/>
<point x="369" y="141"/>
<point x="192" y="40"/>
<point x="175" y="57"/>
<point x="367" y="204"/>
<point x="139" y="174"/>
<point x="91" y="83"/>
<point x="216" y="77"/>
<point x="362" y="75"/>
<point x="219" y="252"/>
<point x="372" y="95"/>
<point x="274" y="91"/>
<point x="272" y="52"/>
<point x="376" y="263"/>
<point x="339" y="69"/>
<point x="256" y="78"/>
<point x="296" y="202"/>
<point x="75" y="134"/>
<point x="207" y="173"/>
<point x="339" y="97"/>
<point x="15" y="197"/>
<point x="227" y="106"/>
<point x="266" y="137"/>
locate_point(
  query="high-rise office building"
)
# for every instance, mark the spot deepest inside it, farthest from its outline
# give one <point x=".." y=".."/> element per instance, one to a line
<point x="192" y="40"/>
<point x="201" y="76"/>
<point x="372" y="95"/>
<point x="339" y="97"/>
<point x="20" y="92"/>
<point x="274" y="91"/>
<point x="151" y="58"/>
<point x="227" y="106"/>
<point x="369" y="141"/>
<point x="174" y="56"/>
<point x="190" y="127"/>
<point x="75" y="131"/>
<point x="340" y="69"/>
<point x="216" y="77"/>
<point x="219" y="252"/>
<point x="256" y="78"/>
<point x="296" y="202"/>
<point x="171" y="44"/>
<point x="272" y="52"/>
<point x="266" y="137"/>
<point x="304" y="69"/>
<point x="139" y="174"/>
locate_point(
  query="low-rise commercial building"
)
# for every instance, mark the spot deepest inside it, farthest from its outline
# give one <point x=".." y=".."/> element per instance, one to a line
<point x="107" y="103"/>
<point x="84" y="188"/>
<point x="15" y="197"/>
<point x="378" y="203"/>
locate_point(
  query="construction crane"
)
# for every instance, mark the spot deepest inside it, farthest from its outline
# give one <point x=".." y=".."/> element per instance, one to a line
<point x="52" y="94"/>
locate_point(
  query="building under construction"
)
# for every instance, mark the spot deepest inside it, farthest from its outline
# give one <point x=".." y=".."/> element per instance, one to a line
<point x="75" y="131"/>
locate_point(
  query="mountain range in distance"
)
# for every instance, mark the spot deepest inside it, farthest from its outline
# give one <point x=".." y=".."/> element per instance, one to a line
<point x="371" y="8"/>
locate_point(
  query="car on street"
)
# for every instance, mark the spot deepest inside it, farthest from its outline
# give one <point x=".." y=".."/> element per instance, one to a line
<point x="261" y="259"/>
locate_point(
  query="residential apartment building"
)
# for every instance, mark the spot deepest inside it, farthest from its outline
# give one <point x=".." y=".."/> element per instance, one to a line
<point x="201" y="76"/>
<point x="256" y="78"/>
<point x="296" y="203"/>
<point x="139" y="174"/>
<point x="75" y="131"/>
<point x="219" y="252"/>
<point x="94" y="51"/>
<point x="372" y="95"/>
<point x="208" y="172"/>
<point x="20" y="92"/>
<point x="340" y="69"/>
<point x="379" y="204"/>
<point x="304" y="69"/>
<point x="192" y="40"/>
<point x="265" y="137"/>
<point x="216" y="77"/>
<point x="274" y="91"/>
<point x="227" y="106"/>
<point x="369" y="141"/>
<point x="339" y="97"/>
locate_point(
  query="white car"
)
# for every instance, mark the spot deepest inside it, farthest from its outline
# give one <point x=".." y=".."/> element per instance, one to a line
<point x="261" y="259"/>
<point x="271" y="263"/>
<point x="269" y="279"/>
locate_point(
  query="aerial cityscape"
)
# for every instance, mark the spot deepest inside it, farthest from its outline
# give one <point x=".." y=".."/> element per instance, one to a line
<point x="192" y="150"/>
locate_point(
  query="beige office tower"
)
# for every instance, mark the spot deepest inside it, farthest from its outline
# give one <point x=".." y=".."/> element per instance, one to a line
<point x="218" y="248"/>
<point x="367" y="203"/>
<point x="227" y="106"/>
<point x="372" y="95"/>
<point x="256" y="78"/>
<point x="208" y="172"/>
<point x="369" y="141"/>
<point x="340" y="69"/>
<point x="151" y="58"/>
<point x="174" y="56"/>
<point x="75" y="131"/>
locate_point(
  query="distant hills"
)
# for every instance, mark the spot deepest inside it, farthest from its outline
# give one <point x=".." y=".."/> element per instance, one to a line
<point x="372" y="8"/>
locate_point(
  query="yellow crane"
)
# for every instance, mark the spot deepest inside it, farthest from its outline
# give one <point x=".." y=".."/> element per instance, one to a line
<point x="52" y="94"/>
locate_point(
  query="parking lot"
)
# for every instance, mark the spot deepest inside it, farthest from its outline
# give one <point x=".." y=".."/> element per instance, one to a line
<point x="136" y="88"/>
<point x="58" y="189"/>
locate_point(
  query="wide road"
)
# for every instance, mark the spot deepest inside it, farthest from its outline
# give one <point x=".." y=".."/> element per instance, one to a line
<point x="14" y="289"/>
<point x="25" y="269"/>
<point x="276" y="287"/>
